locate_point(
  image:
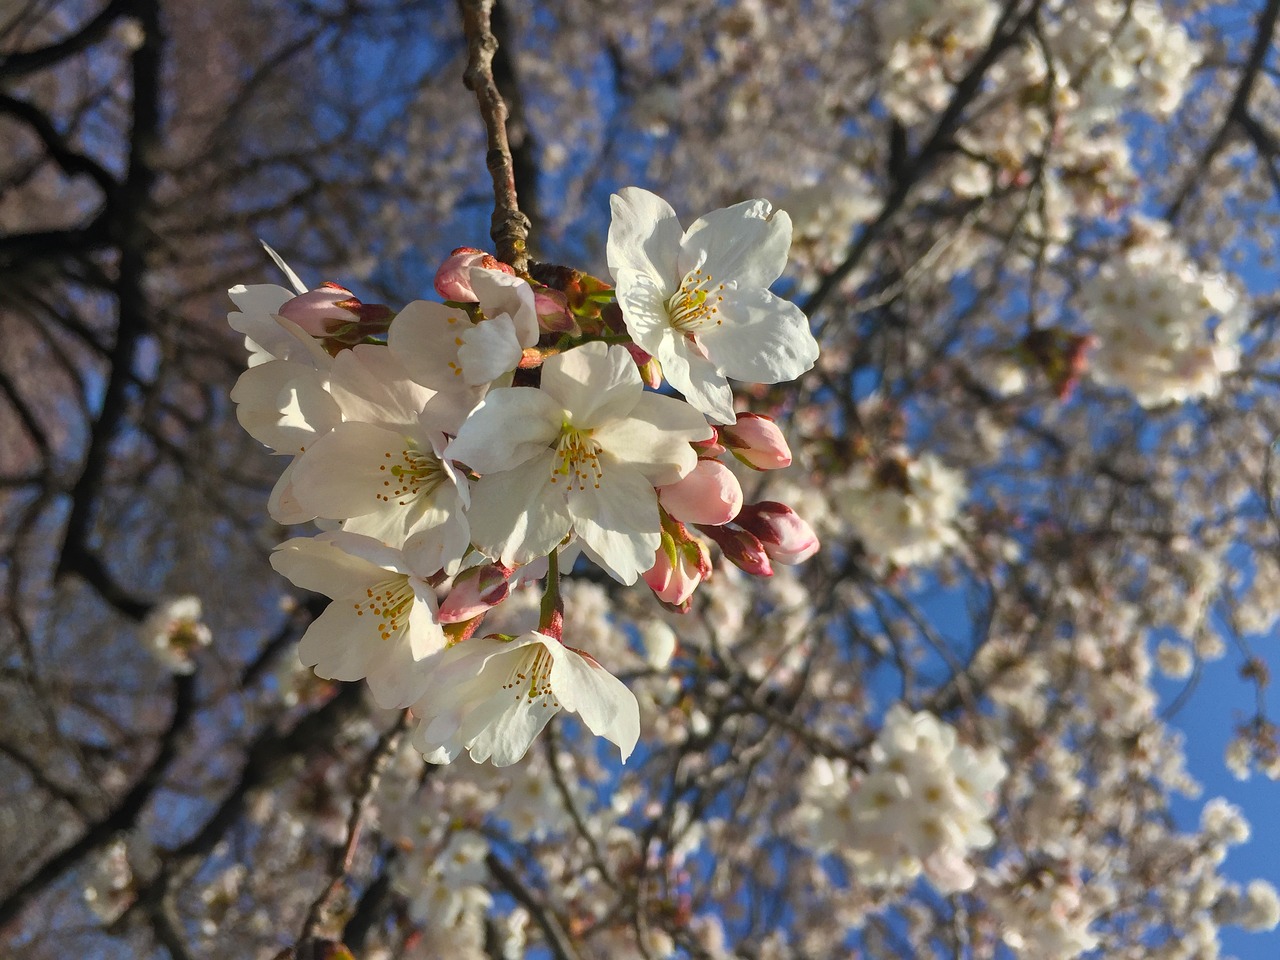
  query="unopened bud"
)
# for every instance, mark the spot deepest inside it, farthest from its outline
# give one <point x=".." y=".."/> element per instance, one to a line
<point x="740" y="548"/>
<point x="709" y="494"/>
<point x="785" y="536"/>
<point x="650" y="369"/>
<point x="552" y="307"/>
<point x="324" y="311"/>
<point x="757" y="442"/>
<point x="474" y="591"/>
<point x="453" y="279"/>
<point x="681" y="563"/>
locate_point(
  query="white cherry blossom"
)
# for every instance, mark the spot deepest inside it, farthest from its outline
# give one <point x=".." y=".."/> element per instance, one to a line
<point x="580" y="455"/>
<point x="382" y="622"/>
<point x="492" y="697"/>
<point x="698" y="299"/>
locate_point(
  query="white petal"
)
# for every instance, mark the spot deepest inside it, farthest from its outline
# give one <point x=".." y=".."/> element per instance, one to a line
<point x="764" y="339"/>
<point x="603" y="701"/>
<point x="372" y="385"/>
<point x="501" y="293"/>
<point x="655" y="438"/>
<point x="284" y="405"/>
<point x="619" y="521"/>
<point x="696" y="377"/>
<point x="510" y="426"/>
<point x="321" y="567"/>
<point x="644" y="235"/>
<point x="595" y="383"/>
<point x="339" y="644"/>
<point x="506" y="739"/>
<point x="742" y="243"/>
<point x="282" y="504"/>
<point x="425" y="337"/>
<point x="644" y="309"/>
<point x="489" y="350"/>
<point x="343" y="473"/>
<point x="519" y="515"/>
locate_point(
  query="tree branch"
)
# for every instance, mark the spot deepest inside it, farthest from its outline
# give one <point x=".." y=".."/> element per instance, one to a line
<point x="508" y="227"/>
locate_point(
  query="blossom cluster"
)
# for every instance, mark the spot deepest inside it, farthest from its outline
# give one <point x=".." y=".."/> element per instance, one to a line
<point x="451" y="451"/>
<point x="1167" y="331"/>
<point x="920" y="807"/>
<point x="902" y="508"/>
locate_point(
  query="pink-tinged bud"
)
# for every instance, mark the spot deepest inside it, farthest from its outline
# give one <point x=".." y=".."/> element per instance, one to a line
<point x="757" y="442"/>
<point x="709" y="494"/>
<point x="647" y="364"/>
<point x="785" y="536"/>
<point x="552" y="307"/>
<point x="677" y="570"/>
<point x="453" y="279"/>
<point x="706" y="449"/>
<point x="740" y="548"/>
<point x="474" y="591"/>
<point x="323" y="311"/>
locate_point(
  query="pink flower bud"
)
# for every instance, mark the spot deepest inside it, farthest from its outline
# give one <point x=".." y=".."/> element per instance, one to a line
<point x="323" y="311"/>
<point x="453" y="279"/>
<point x="474" y="591"/>
<point x="677" y="570"/>
<point x="552" y="307"/>
<point x="757" y="442"/>
<point x="706" y="449"/>
<point x="740" y="548"/>
<point x="647" y="364"/>
<point x="710" y="494"/>
<point x="785" y="537"/>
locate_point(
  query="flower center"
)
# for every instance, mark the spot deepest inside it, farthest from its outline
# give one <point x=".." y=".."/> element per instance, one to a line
<point x="389" y="602"/>
<point x="577" y="459"/>
<point x="530" y="677"/>
<point x="416" y="473"/>
<point x="696" y="303"/>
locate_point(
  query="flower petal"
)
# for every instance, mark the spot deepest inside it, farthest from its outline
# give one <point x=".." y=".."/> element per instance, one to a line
<point x="489" y="350"/>
<point x="655" y="438"/>
<point x="644" y="309"/>
<point x="371" y="384"/>
<point x="764" y="339"/>
<point x="603" y="701"/>
<point x="425" y="337"/>
<point x="517" y="515"/>
<point x="703" y="386"/>
<point x="619" y="521"/>
<point x="644" y="235"/>
<point x="321" y="567"/>
<point x="510" y="426"/>
<point x="595" y="383"/>
<point x="746" y="243"/>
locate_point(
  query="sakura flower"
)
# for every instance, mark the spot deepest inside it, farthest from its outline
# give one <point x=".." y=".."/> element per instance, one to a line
<point x="444" y="350"/>
<point x="580" y="455"/>
<point x="174" y="630"/>
<point x="382" y="624"/>
<point x="698" y="300"/>
<point x="492" y="697"/>
<point x="381" y="471"/>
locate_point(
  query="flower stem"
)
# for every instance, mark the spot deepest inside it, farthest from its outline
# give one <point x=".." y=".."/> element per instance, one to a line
<point x="551" y="618"/>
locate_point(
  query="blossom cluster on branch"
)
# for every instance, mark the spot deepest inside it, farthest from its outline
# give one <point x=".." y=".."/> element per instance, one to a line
<point x="450" y="451"/>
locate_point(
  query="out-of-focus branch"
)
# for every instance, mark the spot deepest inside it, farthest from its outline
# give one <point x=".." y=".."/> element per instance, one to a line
<point x="123" y="817"/>
<point x="904" y="178"/>
<point x="557" y="939"/>
<point x="1238" y="111"/>
<point x="509" y="227"/>
<point x="31" y="61"/>
<point x="322" y="911"/>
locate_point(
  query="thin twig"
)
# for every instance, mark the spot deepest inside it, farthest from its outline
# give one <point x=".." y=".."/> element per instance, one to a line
<point x="322" y="910"/>
<point x="509" y="227"/>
